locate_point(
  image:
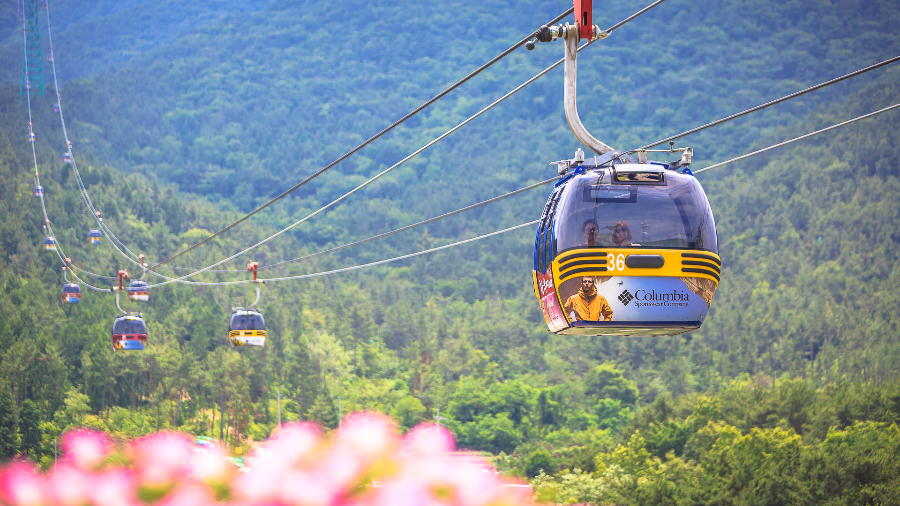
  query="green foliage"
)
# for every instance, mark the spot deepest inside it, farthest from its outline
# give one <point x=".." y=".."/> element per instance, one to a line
<point x="605" y="381"/>
<point x="29" y="429"/>
<point x="9" y="425"/>
<point x="408" y="412"/>
<point x="539" y="461"/>
<point x="795" y="365"/>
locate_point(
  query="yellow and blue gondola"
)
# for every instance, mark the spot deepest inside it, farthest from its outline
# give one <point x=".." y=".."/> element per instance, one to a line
<point x="71" y="293"/>
<point x="95" y="236"/>
<point x="626" y="249"/>
<point x="129" y="333"/>
<point x="49" y="244"/>
<point x="138" y="291"/>
<point x="247" y="328"/>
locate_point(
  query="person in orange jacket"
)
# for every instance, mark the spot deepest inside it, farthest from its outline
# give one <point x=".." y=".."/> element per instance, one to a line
<point x="587" y="304"/>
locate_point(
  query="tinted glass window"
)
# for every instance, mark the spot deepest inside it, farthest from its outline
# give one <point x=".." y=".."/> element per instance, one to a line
<point x="252" y="321"/>
<point x="595" y="211"/>
<point x="124" y="326"/>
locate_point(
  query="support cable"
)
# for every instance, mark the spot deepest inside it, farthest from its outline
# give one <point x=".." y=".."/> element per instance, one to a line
<point x="364" y="143"/>
<point x="458" y="243"/>
<point x="771" y="103"/>
<point x="117" y="244"/>
<point x="795" y="139"/>
<point x="382" y="173"/>
<point x="370" y="264"/>
<point x="407" y="227"/>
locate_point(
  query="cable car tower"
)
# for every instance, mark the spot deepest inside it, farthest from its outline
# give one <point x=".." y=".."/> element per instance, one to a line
<point x="32" y="66"/>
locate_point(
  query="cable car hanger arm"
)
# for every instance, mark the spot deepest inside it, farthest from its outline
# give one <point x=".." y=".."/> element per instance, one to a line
<point x="572" y="34"/>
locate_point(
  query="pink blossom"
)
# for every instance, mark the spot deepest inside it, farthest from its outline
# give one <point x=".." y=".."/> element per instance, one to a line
<point x="69" y="485"/>
<point x="293" y="443"/>
<point x="85" y="448"/>
<point x="427" y="440"/>
<point x="366" y="465"/>
<point x="21" y="485"/>
<point x="113" y="487"/>
<point x="369" y="435"/>
<point x="208" y="465"/>
<point x="162" y="458"/>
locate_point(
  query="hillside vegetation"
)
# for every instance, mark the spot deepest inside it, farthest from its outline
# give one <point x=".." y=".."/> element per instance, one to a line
<point x="790" y="380"/>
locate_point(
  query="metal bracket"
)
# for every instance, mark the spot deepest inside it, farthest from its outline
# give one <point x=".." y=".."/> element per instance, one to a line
<point x="571" y="107"/>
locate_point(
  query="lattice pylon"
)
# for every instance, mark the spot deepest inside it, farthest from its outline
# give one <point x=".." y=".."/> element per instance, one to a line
<point x="33" y="65"/>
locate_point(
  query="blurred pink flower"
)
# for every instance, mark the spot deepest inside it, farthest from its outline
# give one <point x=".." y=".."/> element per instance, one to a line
<point x="162" y="458"/>
<point x="69" y="485"/>
<point x="85" y="448"/>
<point x="191" y="494"/>
<point x="369" y="435"/>
<point x="208" y="465"/>
<point x="112" y="487"/>
<point x="427" y="440"/>
<point x="292" y="444"/>
<point x="22" y="485"/>
<point x="366" y="465"/>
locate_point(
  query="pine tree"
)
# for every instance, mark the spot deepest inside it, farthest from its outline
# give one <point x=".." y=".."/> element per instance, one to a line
<point x="29" y="425"/>
<point x="322" y="411"/>
<point x="9" y="424"/>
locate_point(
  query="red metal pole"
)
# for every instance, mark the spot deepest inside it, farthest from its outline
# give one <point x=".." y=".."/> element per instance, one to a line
<point x="584" y="15"/>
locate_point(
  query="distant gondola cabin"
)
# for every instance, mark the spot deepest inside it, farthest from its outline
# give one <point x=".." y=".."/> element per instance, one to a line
<point x="71" y="293"/>
<point x="49" y="244"/>
<point x="138" y="291"/>
<point x="129" y="333"/>
<point x="95" y="236"/>
<point x="247" y="328"/>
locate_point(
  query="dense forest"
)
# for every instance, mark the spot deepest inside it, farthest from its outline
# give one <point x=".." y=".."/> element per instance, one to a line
<point x="183" y="117"/>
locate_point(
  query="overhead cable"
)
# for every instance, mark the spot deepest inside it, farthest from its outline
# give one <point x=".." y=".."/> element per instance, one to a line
<point x="382" y="173"/>
<point x="370" y="264"/>
<point x="414" y="225"/>
<point x="113" y="240"/>
<point x="795" y="139"/>
<point x="773" y="102"/>
<point x="364" y="143"/>
<point x="458" y="243"/>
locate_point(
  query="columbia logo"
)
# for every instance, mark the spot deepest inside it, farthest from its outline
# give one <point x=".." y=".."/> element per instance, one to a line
<point x="625" y="297"/>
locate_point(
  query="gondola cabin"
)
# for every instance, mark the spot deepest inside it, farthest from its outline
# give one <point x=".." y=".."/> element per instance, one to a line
<point x="71" y="293"/>
<point x="95" y="237"/>
<point x="67" y="157"/>
<point x="38" y="191"/>
<point x="49" y="244"/>
<point x="129" y="333"/>
<point x="247" y="328"/>
<point x="138" y="290"/>
<point x="55" y="106"/>
<point x="626" y="249"/>
<point x="31" y="137"/>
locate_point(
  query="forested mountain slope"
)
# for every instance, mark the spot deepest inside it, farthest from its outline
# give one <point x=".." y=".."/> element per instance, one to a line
<point x="222" y="114"/>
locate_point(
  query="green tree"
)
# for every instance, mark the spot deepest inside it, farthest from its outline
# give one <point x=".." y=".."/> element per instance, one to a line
<point x="9" y="424"/>
<point x="605" y="381"/>
<point x="323" y="411"/>
<point x="29" y="428"/>
<point x="408" y="412"/>
<point x="539" y="461"/>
